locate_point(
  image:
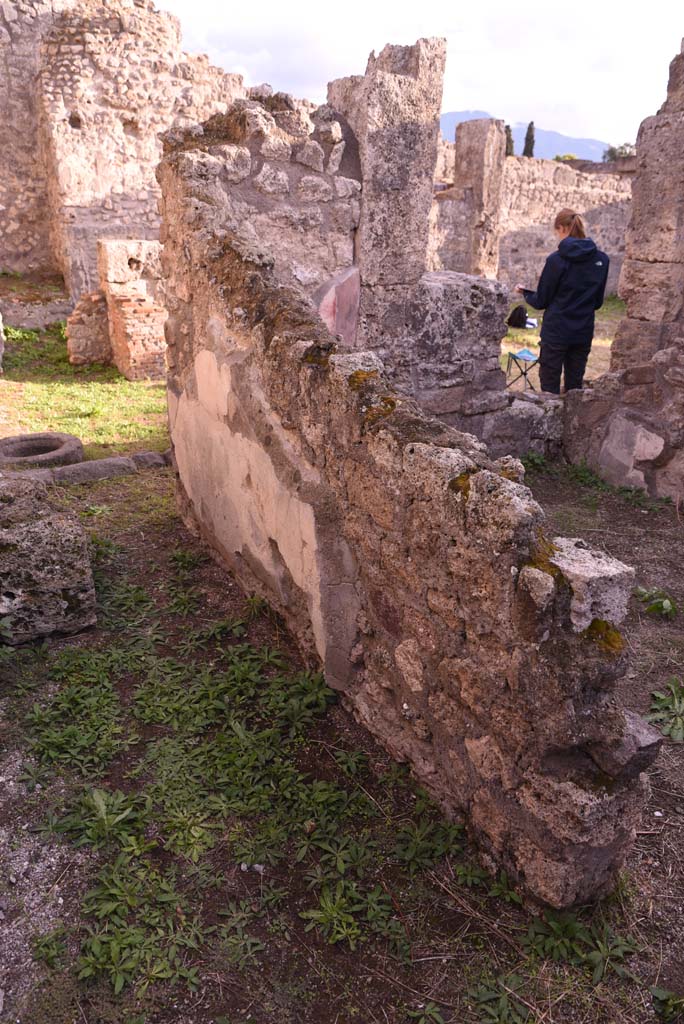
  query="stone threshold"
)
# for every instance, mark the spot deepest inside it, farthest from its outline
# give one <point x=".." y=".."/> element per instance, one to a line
<point x="96" y="469"/>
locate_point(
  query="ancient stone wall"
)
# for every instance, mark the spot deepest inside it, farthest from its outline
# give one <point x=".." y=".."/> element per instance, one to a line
<point x="534" y="191"/>
<point x="112" y="77"/>
<point x="24" y="243"/>
<point x="630" y="424"/>
<point x="415" y="568"/>
<point x="496" y="219"/>
<point x="87" y="87"/>
<point x="130" y="277"/>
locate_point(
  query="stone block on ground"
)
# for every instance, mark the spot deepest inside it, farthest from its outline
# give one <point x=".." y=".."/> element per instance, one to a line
<point x="46" y="581"/>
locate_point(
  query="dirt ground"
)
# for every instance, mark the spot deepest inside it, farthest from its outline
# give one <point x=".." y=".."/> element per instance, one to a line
<point x="452" y="944"/>
<point x="193" y="831"/>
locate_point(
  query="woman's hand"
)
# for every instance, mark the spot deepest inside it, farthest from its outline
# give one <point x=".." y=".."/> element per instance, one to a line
<point x="520" y="288"/>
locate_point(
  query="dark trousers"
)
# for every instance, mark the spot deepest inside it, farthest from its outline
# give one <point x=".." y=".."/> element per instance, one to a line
<point x="559" y="356"/>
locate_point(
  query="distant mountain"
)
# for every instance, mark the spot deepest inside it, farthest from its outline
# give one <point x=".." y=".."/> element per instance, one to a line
<point x="547" y="144"/>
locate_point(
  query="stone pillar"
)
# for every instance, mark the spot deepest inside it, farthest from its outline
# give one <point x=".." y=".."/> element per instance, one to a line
<point x="479" y="170"/>
<point x="652" y="281"/>
<point x="393" y="111"/>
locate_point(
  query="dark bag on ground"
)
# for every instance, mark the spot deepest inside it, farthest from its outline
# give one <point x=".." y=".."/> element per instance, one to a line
<point x="518" y="317"/>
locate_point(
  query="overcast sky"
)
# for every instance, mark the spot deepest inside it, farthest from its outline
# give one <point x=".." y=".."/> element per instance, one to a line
<point x="585" y="68"/>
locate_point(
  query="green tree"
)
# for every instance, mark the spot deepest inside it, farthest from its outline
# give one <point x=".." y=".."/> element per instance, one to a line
<point x="619" y="152"/>
<point x="528" y="148"/>
<point x="562" y="157"/>
<point x="509" y="141"/>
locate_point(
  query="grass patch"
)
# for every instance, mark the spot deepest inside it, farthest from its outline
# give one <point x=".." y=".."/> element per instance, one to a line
<point x="43" y="391"/>
<point x="247" y="852"/>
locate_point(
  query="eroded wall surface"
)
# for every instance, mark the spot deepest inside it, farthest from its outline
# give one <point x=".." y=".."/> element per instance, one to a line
<point x="630" y="425"/>
<point x="112" y="77"/>
<point x="534" y="191"/>
<point x="413" y="567"/>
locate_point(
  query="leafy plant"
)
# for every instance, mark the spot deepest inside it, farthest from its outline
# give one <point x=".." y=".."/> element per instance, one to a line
<point x="667" y="710"/>
<point x="334" y="916"/>
<point x="50" y="948"/>
<point x="608" y="954"/>
<point x="534" y="462"/>
<point x="501" y="889"/>
<point x="497" y="1003"/>
<point x="559" y="937"/>
<point x="428" y="1013"/>
<point x="101" y="817"/>
<point x="421" y="844"/>
<point x="352" y="762"/>
<point x="667" y="1005"/>
<point x="657" y="602"/>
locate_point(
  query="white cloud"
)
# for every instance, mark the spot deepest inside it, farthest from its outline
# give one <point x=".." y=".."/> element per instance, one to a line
<point x="590" y="70"/>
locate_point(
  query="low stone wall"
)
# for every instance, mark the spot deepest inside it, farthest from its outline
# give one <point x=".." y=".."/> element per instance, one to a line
<point x="87" y="331"/>
<point x="416" y="569"/>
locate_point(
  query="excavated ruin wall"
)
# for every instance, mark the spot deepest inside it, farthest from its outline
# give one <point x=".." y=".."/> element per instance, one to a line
<point x="24" y="242"/>
<point x="412" y="566"/>
<point x="112" y="77"/>
<point x="496" y="218"/>
<point x="85" y="88"/>
<point x="630" y="425"/>
<point x="532" y="194"/>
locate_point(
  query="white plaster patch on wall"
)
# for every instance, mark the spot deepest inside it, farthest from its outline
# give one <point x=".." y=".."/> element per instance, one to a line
<point x="248" y="505"/>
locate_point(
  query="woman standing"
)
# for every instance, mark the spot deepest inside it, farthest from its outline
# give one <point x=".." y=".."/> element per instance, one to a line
<point x="570" y="289"/>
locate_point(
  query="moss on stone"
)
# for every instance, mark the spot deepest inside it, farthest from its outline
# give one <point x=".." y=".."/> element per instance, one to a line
<point x="319" y="355"/>
<point x="384" y="408"/>
<point x="461" y="483"/>
<point x="361" y="378"/>
<point x="542" y="551"/>
<point x="605" y="635"/>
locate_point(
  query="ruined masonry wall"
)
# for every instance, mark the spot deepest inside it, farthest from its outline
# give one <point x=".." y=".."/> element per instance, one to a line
<point x="112" y="77"/>
<point x="411" y="565"/>
<point x="85" y="88"/>
<point x="630" y="425"/>
<point x="496" y="219"/>
<point x="24" y="241"/>
<point x="534" y="191"/>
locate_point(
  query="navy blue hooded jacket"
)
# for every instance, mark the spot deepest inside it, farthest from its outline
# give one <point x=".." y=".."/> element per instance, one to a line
<point x="571" y="287"/>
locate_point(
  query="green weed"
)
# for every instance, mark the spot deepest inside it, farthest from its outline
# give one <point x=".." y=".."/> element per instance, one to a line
<point x="657" y="602"/>
<point x="50" y="948"/>
<point x="497" y="1002"/>
<point x="667" y="710"/>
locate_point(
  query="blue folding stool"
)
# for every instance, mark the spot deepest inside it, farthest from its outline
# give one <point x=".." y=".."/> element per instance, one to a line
<point x="523" y="360"/>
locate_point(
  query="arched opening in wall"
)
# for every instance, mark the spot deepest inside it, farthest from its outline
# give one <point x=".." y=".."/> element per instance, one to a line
<point x="75" y="120"/>
<point x="134" y="264"/>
